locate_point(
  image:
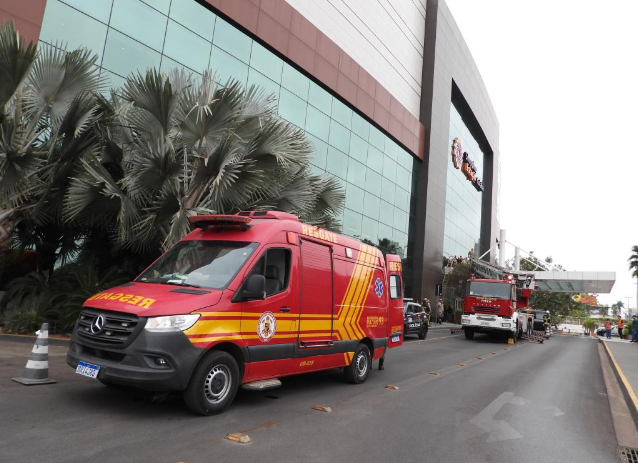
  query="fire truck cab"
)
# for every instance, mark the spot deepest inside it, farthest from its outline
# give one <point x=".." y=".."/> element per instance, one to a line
<point x="243" y="300"/>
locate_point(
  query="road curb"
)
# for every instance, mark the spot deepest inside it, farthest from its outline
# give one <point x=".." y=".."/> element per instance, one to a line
<point x="627" y="390"/>
<point x="31" y="339"/>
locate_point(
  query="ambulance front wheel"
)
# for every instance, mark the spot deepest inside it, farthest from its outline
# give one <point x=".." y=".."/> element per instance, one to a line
<point x="359" y="368"/>
<point x="213" y="385"/>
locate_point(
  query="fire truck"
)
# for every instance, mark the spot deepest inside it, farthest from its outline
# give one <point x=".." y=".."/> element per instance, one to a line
<point x="497" y="306"/>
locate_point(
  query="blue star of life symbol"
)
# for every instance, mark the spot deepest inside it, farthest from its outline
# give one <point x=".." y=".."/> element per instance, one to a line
<point x="378" y="287"/>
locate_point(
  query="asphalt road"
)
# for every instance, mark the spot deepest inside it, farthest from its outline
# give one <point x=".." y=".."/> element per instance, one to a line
<point x="528" y="403"/>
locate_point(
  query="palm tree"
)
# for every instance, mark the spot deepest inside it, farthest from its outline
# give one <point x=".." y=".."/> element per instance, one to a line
<point x="177" y="146"/>
<point x="633" y="266"/>
<point x="47" y="104"/>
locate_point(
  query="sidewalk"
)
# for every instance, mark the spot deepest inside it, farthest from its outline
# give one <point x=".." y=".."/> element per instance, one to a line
<point x="624" y="356"/>
<point x="443" y="326"/>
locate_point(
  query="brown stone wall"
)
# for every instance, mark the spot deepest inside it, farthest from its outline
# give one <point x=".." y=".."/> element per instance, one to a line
<point x="26" y="14"/>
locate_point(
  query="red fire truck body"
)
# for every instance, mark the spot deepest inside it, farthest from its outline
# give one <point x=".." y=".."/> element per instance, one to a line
<point x="495" y="306"/>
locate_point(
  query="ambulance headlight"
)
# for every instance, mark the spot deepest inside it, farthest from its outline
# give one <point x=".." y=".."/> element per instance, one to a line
<point x="171" y="323"/>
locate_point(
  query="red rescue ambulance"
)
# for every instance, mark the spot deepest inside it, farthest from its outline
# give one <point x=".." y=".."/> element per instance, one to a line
<point x="243" y="299"/>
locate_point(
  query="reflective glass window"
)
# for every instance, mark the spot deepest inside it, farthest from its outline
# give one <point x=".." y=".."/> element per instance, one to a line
<point x="319" y="98"/>
<point x="373" y="182"/>
<point x="369" y="229"/>
<point x="66" y="25"/>
<point x="317" y="123"/>
<point x="264" y="83"/>
<point x="391" y="148"/>
<point x="385" y="232"/>
<point x="295" y="81"/>
<point x="371" y="206"/>
<point x="98" y="9"/>
<point x="375" y="159"/>
<point x="124" y="55"/>
<point x="358" y="148"/>
<point x="354" y="197"/>
<point x="386" y="214"/>
<point x="168" y="65"/>
<point x="140" y="21"/>
<point x="341" y="113"/>
<point x="351" y="223"/>
<point x="360" y="126"/>
<point x="389" y="169"/>
<point x="337" y="163"/>
<point x="292" y="108"/>
<point x="227" y="66"/>
<point x="339" y="137"/>
<point x="161" y="5"/>
<point x="266" y="62"/>
<point x="192" y="15"/>
<point x="232" y="40"/>
<point x="387" y="190"/>
<point x="320" y="154"/>
<point x="402" y="199"/>
<point x="356" y="173"/>
<point x="377" y="139"/>
<point x="404" y="178"/>
<point x="186" y="47"/>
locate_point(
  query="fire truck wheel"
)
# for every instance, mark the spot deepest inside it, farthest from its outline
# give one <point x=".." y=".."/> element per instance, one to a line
<point x="359" y="369"/>
<point x="513" y="336"/>
<point x="213" y="385"/>
<point x="469" y="334"/>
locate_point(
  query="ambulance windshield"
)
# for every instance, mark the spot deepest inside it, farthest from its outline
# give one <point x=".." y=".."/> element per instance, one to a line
<point x="205" y="264"/>
<point x="484" y="289"/>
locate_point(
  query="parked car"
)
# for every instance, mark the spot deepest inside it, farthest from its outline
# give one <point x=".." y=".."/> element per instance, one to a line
<point x="415" y="320"/>
<point x="601" y="331"/>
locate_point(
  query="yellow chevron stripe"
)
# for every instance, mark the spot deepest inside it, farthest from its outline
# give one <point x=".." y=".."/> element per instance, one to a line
<point x="362" y="289"/>
<point x="346" y="304"/>
<point x="359" y="302"/>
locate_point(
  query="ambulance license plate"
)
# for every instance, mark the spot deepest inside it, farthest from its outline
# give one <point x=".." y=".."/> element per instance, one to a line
<point x="396" y="338"/>
<point x="88" y="370"/>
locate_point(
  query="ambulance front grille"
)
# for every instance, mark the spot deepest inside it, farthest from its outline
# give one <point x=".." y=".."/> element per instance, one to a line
<point x="117" y="329"/>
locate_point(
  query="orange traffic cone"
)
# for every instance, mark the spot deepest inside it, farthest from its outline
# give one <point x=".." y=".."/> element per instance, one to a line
<point x="37" y="369"/>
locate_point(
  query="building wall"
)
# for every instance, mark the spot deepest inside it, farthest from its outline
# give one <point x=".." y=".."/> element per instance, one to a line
<point x="450" y="74"/>
<point x="384" y="36"/>
<point x="376" y="172"/>
<point x="27" y="16"/>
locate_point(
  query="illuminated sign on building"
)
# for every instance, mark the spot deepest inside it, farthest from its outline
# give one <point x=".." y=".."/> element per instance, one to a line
<point x="462" y="161"/>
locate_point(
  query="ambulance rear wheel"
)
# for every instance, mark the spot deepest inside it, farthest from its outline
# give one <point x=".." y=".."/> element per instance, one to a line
<point x="469" y="334"/>
<point x="213" y="385"/>
<point x="359" y="369"/>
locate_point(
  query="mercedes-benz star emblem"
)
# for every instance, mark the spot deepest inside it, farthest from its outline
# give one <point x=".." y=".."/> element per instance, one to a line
<point x="97" y="324"/>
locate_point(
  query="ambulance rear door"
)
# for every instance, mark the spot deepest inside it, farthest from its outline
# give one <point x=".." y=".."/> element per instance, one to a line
<point x="395" y="300"/>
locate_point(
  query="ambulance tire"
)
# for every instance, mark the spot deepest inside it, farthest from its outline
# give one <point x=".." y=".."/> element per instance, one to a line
<point x="359" y="369"/>
<point x="213" y="384"/>
<point x="469" y="334"/>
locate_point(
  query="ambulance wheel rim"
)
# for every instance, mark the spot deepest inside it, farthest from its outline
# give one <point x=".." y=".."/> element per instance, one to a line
<point x="217" y="384"/>
<point x="362" y="365"/>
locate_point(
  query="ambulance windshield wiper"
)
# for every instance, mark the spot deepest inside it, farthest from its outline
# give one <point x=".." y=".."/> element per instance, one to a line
<point x="168" y="282"/>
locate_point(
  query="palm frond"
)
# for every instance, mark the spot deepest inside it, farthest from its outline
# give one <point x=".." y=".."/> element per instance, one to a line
<point x="16" y="59"/>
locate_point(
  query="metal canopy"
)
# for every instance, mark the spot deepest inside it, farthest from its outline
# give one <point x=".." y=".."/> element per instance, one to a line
<point x="575" y="282"/>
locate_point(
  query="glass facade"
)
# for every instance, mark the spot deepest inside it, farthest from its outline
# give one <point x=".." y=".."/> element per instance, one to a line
<point x="462" y="201"/>
<point x="379" y="176"/>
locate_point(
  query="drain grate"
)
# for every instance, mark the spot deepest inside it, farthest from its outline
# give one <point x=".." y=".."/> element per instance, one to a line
<point x="628" y="455"/>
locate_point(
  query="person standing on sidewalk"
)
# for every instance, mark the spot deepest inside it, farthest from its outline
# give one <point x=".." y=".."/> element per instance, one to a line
<point x="621" y="327"/>
<point x="608" y="328"/>
<point x="439" y="311"/>
<point x="634" y="329"/>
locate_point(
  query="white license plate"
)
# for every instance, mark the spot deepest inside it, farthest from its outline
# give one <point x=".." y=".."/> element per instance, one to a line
<point x="396" y="338"/>
<point x="413" y="325"/>
<point x="485" y="323"/>
<point x="88" y="370"/>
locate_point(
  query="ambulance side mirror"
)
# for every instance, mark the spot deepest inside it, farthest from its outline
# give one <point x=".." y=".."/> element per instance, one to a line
<point x="254" y="288"/>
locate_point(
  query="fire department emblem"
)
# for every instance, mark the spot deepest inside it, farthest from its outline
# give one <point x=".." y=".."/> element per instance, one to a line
<point x="378" y="287"/>
<point x="457" y="153"/>
<point x="266" y="326"/>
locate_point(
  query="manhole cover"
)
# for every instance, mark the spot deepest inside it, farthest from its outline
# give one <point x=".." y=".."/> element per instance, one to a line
<point x="628" y="455"/>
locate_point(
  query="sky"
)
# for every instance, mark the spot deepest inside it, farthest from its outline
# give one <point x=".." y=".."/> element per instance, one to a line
<point x="563" y="78"/>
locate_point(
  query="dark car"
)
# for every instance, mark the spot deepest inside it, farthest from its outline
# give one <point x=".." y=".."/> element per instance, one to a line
<point x="415" y="320"/>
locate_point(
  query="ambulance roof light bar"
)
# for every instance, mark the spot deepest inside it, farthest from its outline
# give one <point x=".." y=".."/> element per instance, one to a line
<point x="205" y="221"/>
